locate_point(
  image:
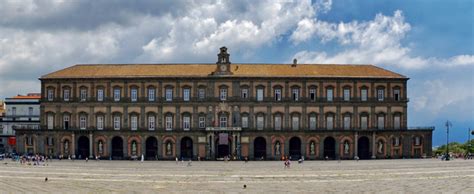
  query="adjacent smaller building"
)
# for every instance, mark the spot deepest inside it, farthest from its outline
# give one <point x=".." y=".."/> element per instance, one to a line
<point x="19" y="112"/>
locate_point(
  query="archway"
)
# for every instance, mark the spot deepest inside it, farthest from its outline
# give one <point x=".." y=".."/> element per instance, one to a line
<point x="186" y="148"/>
<point x="259" y="148"/>
<point x="117" y="148"/>
<point x="82" y="147"/>
<point x="295" y="148"/>
<point x="330" y="148"/>
<point x="151" y="148"/>
<point x="223" y="147"/>
<point x="363" y="148"/>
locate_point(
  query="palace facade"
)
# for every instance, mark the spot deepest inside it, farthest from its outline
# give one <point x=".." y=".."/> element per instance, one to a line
<point x="259" y="111"/>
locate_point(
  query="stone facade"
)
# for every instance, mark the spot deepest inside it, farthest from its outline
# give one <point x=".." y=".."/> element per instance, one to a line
<point x="221" y="114"/>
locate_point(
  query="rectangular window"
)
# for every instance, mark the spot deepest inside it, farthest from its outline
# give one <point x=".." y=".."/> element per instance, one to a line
<point x="169" y="94"/>
<point x="396" y="95"/>
<point x="363" y="122"/>
<point x="223" y="94"/>
<point x="116" y="94"/>
<point x="83" y="94"/>
<point x="295" y="94"/>
<point x="363" y="95"/>
<point x="259" y="94"/>
<point x="66" y="95"/>
<point x="186" y="123"/>
<point x="82" y="122"/>
<point x="347" y="122"/>
<point x="50" y="121"/>
<point x="186" y="94"/>
<point x="245" y="93"/>
<point x="381" y="122"/>
<point x="66" y="121"/>
<point x="151" y="123"/>
<point x="50" y="95"/>
<point x="202" y="122"/>
<point x="100" y="95"/>
<point x="245" y="122"/>
<point x="380" y="94"/>
<point x="100" y="122"/>
<point x="134" y="122"/>
<point x="14" y="111"/>
<point x="151" y="94"/>
<point x="202" y="93"/>
<point x="329" y="122"/>
<point x="278" y="122"/>
<point x="312" y="94"/>
<point x="329" y="95"/>
<point x="278" y="94"/>
<point x="260" y="122"/>
<point x="396" y="122"/>
<point x="347" y="94"/>
<point x="30" y="111"/>
<point x="117" y="122"/>
<point x="223" y="122"/>
<point x="312" y="122"/>
<point x="169" y="123"/>
<point x="134" y="95"/>
<point x="295" y="124"/>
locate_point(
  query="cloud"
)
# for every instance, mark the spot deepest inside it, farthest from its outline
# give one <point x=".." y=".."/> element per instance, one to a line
<point x="372" y="42"/>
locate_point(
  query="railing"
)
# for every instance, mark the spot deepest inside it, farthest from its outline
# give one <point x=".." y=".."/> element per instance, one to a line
<point x="26" y="127"/>
<point x="421" y="128"/>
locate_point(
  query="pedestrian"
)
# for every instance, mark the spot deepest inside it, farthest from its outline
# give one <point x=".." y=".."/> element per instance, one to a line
<point x="87" y="159"/>
<point x="176" y="160"/>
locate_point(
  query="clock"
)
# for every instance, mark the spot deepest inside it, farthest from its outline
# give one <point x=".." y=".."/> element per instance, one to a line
<point x="223" y="68"/>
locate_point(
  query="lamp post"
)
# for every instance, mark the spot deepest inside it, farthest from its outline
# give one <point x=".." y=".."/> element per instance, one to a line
<point x="447" y="124"/>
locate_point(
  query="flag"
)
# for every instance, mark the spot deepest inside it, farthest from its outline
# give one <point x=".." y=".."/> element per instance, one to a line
<point x="223" y="139"/>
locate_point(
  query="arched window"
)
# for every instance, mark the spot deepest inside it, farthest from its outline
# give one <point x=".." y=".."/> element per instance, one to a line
<point x="169" y="121"/>
<point x="381" y="121"/>
<point x="117" y="121"/>
<point x="329" y="93"/>
<point x="100" y="121"/>
<point x="364" y="120"/>
<point x="397" y="120"/>
<point x="134" y="121"/>
<point x="313" y="121"/>
<point x="151" y="121"/>
<point x="347" y="93"/>
<point x="277" y="121"/>
<point x="134" y="93"/>
<point x="66" y="120"/>
<point x="260" y="121"/>
<point x="186" y="121"/>
<point x="83" y="93"/>
<point x="82" y="121"/>
<point x="347" y="121"/>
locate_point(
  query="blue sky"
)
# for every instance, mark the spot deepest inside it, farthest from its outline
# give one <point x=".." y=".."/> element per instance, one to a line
<point x="430" y="41"/>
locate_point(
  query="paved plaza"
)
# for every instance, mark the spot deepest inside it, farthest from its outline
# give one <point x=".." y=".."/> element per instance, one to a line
<point x="405" y="176"/>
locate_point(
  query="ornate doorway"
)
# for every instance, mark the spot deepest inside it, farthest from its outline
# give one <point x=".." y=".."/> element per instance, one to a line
<point x="186" y="148"/>
<point x="295" y="148"/>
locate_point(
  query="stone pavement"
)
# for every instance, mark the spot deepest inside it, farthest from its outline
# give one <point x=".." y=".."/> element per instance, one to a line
<point x="374" y="176"/>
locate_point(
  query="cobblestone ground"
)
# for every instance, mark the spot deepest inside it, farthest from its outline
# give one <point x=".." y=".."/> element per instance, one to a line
<point x="374" y="176"/>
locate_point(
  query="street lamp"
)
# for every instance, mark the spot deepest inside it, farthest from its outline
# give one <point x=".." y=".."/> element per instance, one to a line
<point x="447" y="124"/>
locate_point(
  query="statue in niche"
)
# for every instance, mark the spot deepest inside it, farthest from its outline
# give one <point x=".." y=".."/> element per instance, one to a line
<point x="134" y="148"/>
<point x="311" y="148"/>
<point x="397" y="141"/>
<point x="277" y="148"/>
<point x="380" y="147"/>
<point x="346" y="147"/>
<point x="168" y="148"/>
<point x="101" y="147"/>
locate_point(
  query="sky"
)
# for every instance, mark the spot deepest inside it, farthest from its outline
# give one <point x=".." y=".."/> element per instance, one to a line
<point x="430" y="41"/>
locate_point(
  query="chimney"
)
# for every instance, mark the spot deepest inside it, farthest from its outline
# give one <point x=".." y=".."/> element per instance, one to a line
<point x="294" y="62"/>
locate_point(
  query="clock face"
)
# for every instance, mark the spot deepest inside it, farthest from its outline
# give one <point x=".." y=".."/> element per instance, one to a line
<point x="223" y="68"/>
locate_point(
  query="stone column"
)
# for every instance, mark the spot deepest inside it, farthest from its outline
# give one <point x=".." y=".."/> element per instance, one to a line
<point x="91" y="147"/>
<point x="73" y="144"/>
<point x="356" y="142"/>
<point x="212" y="144"/>
<point x="373" y="145"/>
<point x="233" y="143"/>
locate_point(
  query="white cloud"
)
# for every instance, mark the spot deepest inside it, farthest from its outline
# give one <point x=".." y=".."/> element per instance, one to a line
<point x="372" y="42"/>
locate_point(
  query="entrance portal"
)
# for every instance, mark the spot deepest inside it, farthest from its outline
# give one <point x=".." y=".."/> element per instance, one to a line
<point x="82" y="147"/>
<point x="151" y="148"/>
<point x="117" y="148"/>
<point x="329" y="148"/>
<point x="186" y="148"/>
<point x="363" y="149"/>
<point x="223" y="147"/>
<point x="259" y="148"/>
<point x="295" y="148"/>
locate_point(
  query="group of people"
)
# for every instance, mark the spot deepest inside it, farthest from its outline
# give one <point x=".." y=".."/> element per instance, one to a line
<point x="35" y="160"/>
